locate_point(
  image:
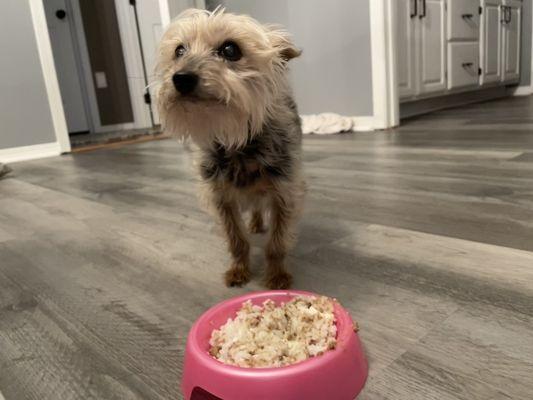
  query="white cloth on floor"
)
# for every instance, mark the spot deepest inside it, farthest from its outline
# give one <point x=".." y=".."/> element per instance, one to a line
<point x="326" y="123"/>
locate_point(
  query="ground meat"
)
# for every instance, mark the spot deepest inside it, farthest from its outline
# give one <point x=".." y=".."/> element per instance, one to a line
<point x="276" y="336"/>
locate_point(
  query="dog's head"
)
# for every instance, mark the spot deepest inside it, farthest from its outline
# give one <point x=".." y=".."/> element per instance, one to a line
<point x="220" y="75"/>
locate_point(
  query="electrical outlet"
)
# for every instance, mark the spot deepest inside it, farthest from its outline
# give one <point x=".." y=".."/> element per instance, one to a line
<point x="101" y="80"/>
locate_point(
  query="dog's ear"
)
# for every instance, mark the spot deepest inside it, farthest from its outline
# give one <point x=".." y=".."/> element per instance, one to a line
<point x="282" y="42"/>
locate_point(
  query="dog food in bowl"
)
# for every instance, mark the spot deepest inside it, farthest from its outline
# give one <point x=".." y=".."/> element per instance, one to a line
<point x="275" y="336"/>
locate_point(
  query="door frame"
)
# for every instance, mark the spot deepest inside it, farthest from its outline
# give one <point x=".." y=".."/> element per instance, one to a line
<point x="386" y="95"/>
<point x="134" y="66"/>
<point x="44" y="48"/>
<point x="132" y="60"/>
<point x="526" y="90"/>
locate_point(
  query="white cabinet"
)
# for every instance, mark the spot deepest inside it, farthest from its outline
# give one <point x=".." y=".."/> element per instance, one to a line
<point x="500" y="44"/>
<point x="432" y="48"/>
<point x="448" y="46"/>
<point x="491" y="41"/>
<point x="406" y="47"/>
<point x="512" y="21"/>
<point x="421" y="47"/>
<point x="463" y="65"/>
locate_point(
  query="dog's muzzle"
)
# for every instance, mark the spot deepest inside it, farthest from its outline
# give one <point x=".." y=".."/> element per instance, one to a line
<point x="185" y="83"/>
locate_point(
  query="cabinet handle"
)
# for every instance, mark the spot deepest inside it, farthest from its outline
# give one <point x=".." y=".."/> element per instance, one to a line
<point x="414" y="8"/>
<point x="468" y="65"/>
<point x="510" y="14"/>
<point x="468" y="16"/>
<point x="504" y="16"/>
<point x="424" y="9"/>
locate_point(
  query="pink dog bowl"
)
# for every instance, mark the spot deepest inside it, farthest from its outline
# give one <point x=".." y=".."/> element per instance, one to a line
<point x="339" y="374"/>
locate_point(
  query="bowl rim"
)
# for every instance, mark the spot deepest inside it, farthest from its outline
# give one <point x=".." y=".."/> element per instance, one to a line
<point x="343" y="336"/>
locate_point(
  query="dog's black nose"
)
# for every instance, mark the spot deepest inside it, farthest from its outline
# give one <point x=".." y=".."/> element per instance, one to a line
<point x="185" y="83"/>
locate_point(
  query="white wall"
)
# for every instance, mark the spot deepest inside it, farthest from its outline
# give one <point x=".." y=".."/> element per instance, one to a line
<point x="25" y="115"/>
<point x="177" y="6"/>
<point x="334" y="73"/>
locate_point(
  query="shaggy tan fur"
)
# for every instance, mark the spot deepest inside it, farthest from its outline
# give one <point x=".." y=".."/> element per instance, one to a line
<point x="242" y="118"/>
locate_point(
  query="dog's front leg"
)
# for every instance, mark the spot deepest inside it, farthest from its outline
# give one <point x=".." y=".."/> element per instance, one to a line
<point x="281" y="237"/>
<point x="239" y="272"/>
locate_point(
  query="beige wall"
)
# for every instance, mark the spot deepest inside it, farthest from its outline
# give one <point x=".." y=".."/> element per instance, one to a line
<point x="25" y="115"/>
<point x="334" y="73"/>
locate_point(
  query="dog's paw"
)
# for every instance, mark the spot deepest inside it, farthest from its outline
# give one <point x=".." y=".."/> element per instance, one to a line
<point x="281" y="280"/>
<point x="237" y="277"/>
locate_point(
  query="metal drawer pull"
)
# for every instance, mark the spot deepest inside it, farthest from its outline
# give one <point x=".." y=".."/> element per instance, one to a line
<point x="468" y="16"/>
<point x="468" y="65"/>
<point x="424" y="9"/>
<point x="505" y="14"/>
<point x="414" y="7"/>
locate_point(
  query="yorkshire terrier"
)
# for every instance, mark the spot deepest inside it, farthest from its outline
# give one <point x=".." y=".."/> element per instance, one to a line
<point x="223" y="84"/>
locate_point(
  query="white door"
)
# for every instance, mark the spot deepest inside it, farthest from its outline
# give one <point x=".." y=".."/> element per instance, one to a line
<point x="491" y="41"/>
<point x="151" y="30"/>
<point x="511" y="41"/>
<point x="432" y="14"/>
<point x="59" y="20"/>
<point x="406" y="56"/>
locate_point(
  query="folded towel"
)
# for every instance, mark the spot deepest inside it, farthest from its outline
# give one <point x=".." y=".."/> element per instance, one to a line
<point x="326" y="123"/>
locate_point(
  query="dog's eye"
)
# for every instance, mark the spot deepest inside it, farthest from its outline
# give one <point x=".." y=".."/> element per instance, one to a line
<point x="230" y="51"/>
<point x="180" y="50"/>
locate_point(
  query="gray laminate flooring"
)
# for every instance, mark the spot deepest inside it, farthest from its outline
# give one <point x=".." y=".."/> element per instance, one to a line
<point x="424" y="233"/>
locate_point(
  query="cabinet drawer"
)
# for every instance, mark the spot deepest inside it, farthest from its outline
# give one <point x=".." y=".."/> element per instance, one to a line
<point x="463" y="65"/>
<point x="463" y="19"/>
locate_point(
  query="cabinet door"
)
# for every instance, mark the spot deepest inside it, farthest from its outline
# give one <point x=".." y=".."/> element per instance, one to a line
<point x="432" y="46"/>
<point x="406" y="56"/>
<point x="511" y="43"/>
<point x="491" y="41"/>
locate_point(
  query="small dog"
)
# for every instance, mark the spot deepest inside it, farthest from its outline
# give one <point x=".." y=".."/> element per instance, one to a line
<point x="223" y="84"/>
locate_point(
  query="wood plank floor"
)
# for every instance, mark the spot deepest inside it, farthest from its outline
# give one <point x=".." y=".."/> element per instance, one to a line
<point x="424" y="233"/>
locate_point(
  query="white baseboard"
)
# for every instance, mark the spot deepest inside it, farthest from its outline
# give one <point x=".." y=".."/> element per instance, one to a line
<point x="25" y="153"/>
<point x="523" y="91"/>
<point x="362" y="124"/>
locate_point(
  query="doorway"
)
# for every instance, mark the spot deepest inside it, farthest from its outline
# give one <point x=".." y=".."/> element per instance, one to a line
<point x="104" y="52"/>
<point x="68" y="65"/>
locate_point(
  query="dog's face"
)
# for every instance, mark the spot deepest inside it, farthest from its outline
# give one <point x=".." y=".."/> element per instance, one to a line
<point x="220" y="75"/>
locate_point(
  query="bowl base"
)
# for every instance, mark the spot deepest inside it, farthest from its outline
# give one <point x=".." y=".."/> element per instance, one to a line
<point x="201" y="394"/>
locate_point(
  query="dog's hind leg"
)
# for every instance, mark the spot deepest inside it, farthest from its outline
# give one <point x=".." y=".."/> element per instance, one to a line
<point x="239" y="272"/>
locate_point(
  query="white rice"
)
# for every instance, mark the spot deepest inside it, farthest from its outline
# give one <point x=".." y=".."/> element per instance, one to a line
<point x="276" y="336"/>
